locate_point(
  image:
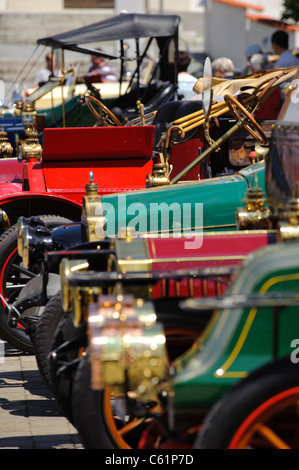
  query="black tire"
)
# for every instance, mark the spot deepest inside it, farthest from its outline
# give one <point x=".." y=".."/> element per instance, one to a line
<point x="62" y="383"/>
<point x="252" y="401"/>
<point x="44" y="335"/>
<point x="90" y="409"/>
<point x="10" y="275"/>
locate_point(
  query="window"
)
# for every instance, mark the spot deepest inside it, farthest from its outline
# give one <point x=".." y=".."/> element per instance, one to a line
<point x="88" y="3"/>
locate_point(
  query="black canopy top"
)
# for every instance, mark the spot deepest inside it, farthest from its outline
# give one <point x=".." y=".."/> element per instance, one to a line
<point x="120" y="27"/>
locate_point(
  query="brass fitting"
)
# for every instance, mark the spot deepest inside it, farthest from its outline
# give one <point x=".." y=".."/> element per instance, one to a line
<point x="160" y="174"/>
<point x="18" y="109"/>
<point x="127" y="348"/>
<point x="255" y="216"/>
<point x="4" y="221"/>
<point x="5" y="146"/>
<point x="159" y="177"/>
<point x="29" y="115"/>
<point x="288" y="226"/>
<point x="92" y="211"/>
<point x="30" y="148"/>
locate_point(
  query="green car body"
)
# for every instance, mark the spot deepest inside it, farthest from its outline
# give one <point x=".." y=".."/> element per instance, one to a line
<point x="220" y="196"/>
<point x="239" y="340"/>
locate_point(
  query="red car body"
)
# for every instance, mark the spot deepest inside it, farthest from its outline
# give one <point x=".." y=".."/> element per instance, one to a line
<point x="119" y="157"/>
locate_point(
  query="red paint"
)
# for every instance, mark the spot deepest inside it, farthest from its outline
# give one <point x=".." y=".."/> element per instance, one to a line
<point x="182" y="154"/>
<point x="98" y="143"/>
<point x="165" y="253"/>
<point x="120" y="158"/>
<point x="3" y="272"/>
<point x="258" y="412"/>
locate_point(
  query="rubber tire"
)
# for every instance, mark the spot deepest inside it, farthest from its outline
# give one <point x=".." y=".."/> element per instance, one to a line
<point x="62" y="384"/>
<point x="8" y="244"/>
<point x="44" y="335"/>
<point x="226" y="416"/>
<point x="88" y="405"/>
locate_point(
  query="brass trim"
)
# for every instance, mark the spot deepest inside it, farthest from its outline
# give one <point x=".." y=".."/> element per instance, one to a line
<point x="240" y="341"/>
<point x="6" y="149"/>
<point x="148" y="262"/>
<point x="132" y="255"/>
<point x="183" y="231"/>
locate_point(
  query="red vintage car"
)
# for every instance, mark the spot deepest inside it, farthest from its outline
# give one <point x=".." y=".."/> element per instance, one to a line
<point x="55" y="183"/>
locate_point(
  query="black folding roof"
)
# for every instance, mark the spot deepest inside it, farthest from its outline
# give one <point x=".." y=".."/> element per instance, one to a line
<point x="120" y="27"/>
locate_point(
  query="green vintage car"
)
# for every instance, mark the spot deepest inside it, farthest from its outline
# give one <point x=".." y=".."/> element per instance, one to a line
<point x="254" y="323"/>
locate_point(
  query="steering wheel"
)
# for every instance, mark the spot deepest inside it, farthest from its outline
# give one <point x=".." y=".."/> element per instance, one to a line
<point x="241" y="114"/>
<point x="105" y="116"/>
<point x="91" y="88"/>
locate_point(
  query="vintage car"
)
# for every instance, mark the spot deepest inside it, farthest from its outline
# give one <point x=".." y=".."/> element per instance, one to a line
<point x="126" y="368"/>
<point x="131" y="264"/>
<point x="41" y="188"/>
<point x="259" y="412"/>
<point x="61" y="104"/>
<point x="124" y="383"/>
<point x="221" y="196"/>
<point x="30" y="185"/>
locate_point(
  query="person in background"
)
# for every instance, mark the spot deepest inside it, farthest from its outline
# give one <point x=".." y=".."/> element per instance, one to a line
<point x="43" y="75"/>
<point x="100" y="70"/>
<point x="250" y="51"/>
<point x="223" y="67"/>
<point x="259" y="63"/>
<point x="280" y="46"/>
<point x="186" y="81"/>
<point x="270" y="108"/>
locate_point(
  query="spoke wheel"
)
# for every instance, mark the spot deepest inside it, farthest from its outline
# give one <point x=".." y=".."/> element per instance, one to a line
<point x="274" y="424"/>
<point x="105" y="117"/>
<point x="13" y="277"/>
<point x="260" y="412"/>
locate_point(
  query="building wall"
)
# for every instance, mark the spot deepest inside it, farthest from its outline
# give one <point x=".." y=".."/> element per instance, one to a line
<point x="225" y="32"/>
<point x="272" y="8"/>
<point x="206" y="26"/>
<point x="150" y="5"/>
<point x="229" y="32"/>
<point x="31" y="5"/>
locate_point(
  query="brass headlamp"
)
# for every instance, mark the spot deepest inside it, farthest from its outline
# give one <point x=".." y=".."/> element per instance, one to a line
<point x="6" y="149"/>
<point x="4" y="221"/>
<point x="33" y="240"/>
<point x="26" y="222"/>
<point x="30" y="148"/>
<point x="92" y="217"/>
<point x="66" y="269"/>
<point x="127" y="347"/>
<point x="288" y="226"/>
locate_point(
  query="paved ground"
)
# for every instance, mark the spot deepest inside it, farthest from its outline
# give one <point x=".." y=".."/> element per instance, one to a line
<point x="29" y="415"/>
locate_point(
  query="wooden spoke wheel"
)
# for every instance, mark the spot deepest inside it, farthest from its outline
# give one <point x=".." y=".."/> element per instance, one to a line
<point x="241" y="114"/>
<point x="105" y="117"/>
